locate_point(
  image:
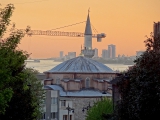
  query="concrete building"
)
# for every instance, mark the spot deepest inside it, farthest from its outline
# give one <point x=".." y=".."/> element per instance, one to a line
<point x="61" y="54"/>
<point x="96" y="52"/>
<point x="156" y="28"/>
<point x="105" y="54"/>
<point x="112" y="51"/>
<point x="75" y="82"/>
<point x="71" y="55"/>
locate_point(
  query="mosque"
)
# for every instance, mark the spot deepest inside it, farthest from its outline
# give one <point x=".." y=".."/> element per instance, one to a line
<point x="74" y="85"/>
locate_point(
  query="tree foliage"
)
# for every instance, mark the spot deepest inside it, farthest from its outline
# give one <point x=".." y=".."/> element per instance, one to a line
<point x="37" y="92"/>
<point x="26" y="101"/>
<point x="140" y="92"/>
<point x="96" y="112"/>
<point x="11" y="59"/>
<point x="17" y="100"/>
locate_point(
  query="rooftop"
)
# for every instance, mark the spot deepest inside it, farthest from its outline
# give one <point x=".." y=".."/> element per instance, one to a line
<point x="82" y="93"/>
<point x="80" y="65"/>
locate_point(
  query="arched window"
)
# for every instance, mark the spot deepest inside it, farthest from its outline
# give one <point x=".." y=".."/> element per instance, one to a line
<point x="87" y="82"/>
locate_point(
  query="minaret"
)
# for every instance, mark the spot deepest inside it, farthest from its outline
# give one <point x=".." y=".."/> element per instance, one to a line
<point x="87" y="51"/>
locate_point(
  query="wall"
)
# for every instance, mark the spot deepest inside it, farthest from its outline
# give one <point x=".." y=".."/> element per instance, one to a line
<point x="74" y="86"/>
<point x="79" y="103"/>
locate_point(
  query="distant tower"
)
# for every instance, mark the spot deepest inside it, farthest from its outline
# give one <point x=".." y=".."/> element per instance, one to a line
<point x="61" y="54"/>
<point x="71" y="55"/>
<point x="112" y="51"/>
<point x="156" y="28"/>
<point x="105" y="54"/>
<point x="87" y="50"/>
<point x="96" y="52"/>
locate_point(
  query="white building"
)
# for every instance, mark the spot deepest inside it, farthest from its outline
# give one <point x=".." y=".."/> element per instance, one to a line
<point x="112" y="51"/>
<point x="105" y="54"/>
<point x="71" y="55"/>
<point x="61" y="54"/>
<point x="156" y="28"/>
<point x="96" y="52"/>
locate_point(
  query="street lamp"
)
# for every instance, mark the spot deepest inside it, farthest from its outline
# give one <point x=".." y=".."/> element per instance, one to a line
<point x="87" y="108"/>
<point x="69" y="109"/>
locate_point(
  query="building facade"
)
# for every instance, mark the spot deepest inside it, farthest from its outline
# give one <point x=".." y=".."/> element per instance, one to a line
<point x="156" y="28"/>
<point x="105" y="54"/>
<point x="75" y="83"/>
<point x="96" y="52"/>
<point x="112" y="51"/>
<point x="71" y="55"/>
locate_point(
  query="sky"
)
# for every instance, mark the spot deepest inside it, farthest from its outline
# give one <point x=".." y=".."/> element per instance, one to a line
<point x="125" y="23"/>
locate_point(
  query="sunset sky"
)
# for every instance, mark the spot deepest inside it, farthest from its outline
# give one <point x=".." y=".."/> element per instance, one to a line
<point x="125" y="22"/>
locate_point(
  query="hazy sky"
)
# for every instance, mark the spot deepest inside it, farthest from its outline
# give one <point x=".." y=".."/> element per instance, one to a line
<point x="125" y="22"/>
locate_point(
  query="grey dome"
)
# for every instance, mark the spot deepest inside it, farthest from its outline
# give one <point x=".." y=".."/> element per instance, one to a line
<point x="80" y="65"/>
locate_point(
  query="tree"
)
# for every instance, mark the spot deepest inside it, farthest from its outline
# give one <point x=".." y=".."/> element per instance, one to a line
<point x="26" y="104"/>
<point x="17" y="100"/>
<point x="140" y="91"/>
<point x="11" y="59"/>
<point x="38" y="93"/>
<point x="96" y="112"/>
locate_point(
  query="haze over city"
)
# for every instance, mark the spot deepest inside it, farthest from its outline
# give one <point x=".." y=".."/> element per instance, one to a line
<point x="125" y="23"/>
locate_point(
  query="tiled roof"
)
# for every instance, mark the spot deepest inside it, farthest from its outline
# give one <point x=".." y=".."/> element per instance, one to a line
<point x="81" y="93"/>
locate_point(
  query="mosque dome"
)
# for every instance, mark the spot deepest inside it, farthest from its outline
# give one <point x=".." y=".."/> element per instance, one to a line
<point x="80" y="65"/>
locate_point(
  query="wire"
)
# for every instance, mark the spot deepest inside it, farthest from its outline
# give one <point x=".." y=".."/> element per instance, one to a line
<point x="27" y="2"/>
<point x="94" y="28"/>
<point x="68" y="25"/>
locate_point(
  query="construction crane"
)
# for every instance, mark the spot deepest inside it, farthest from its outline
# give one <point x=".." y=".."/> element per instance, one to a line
<point x="87" y="51"/>
<point x="60" y="33"/>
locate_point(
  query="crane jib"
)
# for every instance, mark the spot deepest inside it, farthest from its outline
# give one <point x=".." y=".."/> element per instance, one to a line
<point x="57" y="33"/>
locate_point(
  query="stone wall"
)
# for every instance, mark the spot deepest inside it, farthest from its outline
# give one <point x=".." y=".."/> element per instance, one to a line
<point x="79" y="103"/>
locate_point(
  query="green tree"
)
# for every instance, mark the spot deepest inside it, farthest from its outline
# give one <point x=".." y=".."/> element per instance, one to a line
<point x="26" y="102"/>
<point x="17" y="100"/>
<point x="140" y="86"/>
<point x="96" y="112"/>
<point x="38" y="93"/>
<point x="11" y="59"/>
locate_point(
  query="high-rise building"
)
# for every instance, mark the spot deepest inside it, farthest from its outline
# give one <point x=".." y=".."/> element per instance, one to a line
<point x="96" y="52"/>
<point x="156" y="28"/>
<point x="71" y="55"/>
<point x="112" y="51"/>
<point x="61" y="54"/>
<point x="105" y="54"/>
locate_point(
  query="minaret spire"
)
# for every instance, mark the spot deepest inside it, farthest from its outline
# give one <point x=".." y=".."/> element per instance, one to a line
<point x="88" y="51"/>
<point x="88" y="30"/>
<point x="88" y="10"/>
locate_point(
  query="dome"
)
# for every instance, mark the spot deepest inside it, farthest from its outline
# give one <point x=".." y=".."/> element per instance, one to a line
<point x="80" y="65"/>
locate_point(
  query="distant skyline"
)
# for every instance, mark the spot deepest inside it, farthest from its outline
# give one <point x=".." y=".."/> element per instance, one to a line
<point x="125" y="23"/>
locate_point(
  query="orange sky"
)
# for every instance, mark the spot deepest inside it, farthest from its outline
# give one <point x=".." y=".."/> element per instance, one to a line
<point x="125" y="22"/>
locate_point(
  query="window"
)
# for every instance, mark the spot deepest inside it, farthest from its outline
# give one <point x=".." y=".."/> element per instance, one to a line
<point x="53" y="115"/>
<point x="53" y="100"/>
<point x="57" y="80"/>
<point x="43" y="116"/>
<point x="70" y="117"/>
<point x="64" y="117"/>
<point x="87" y="82"/>
<point x="63" y="103"/>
